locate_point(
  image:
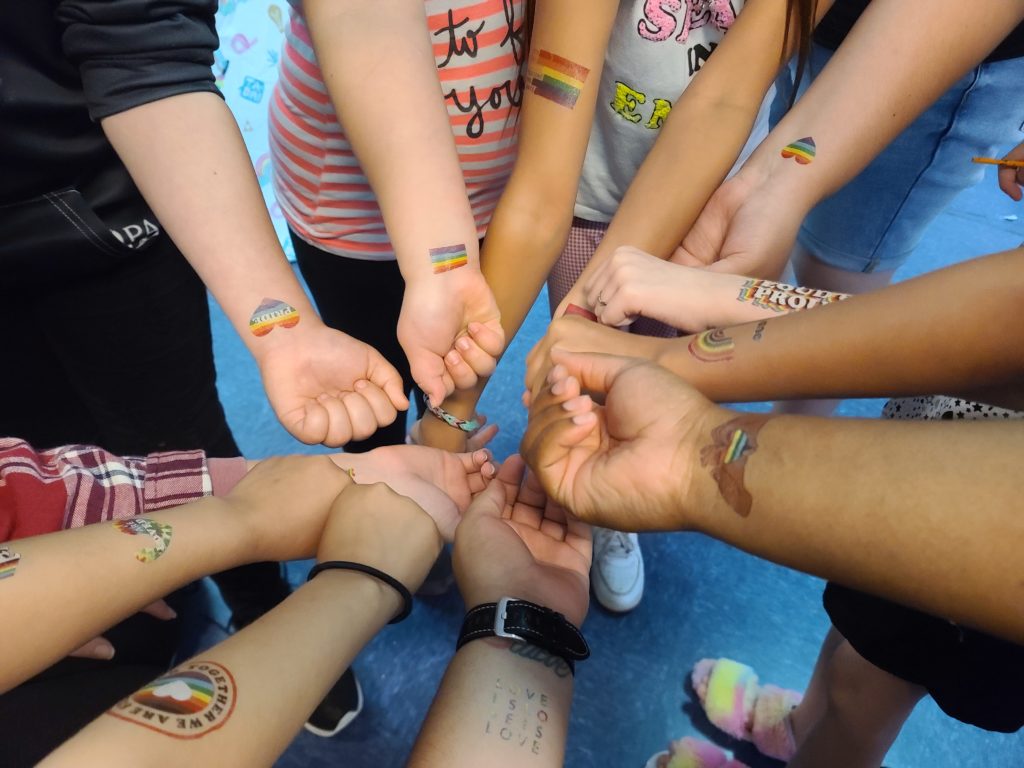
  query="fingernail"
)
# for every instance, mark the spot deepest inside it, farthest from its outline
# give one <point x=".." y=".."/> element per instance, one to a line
<point x="575" y="403"/>
<point x="105" y="651"/>
<point x="558" y="387"/>
<point x="463" y="344"/>
<point x="452" y="358"/>
<point x="581" y="419"/>
<point x="475" y="327"/>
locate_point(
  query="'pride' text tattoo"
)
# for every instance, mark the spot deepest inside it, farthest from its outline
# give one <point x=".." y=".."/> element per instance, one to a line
<point x="782" y="297"/>
<point x="554" y="78"/>
<point x="712" y="346"/>
<point x="448" y="257"/>
<point x="270" y="314"/>
<point x="143" y="526"/>
<point x="186" y="703"/>
<point x="802" y="150"/>
<point x="726" y="456"/>
<point x="8" y="561"/>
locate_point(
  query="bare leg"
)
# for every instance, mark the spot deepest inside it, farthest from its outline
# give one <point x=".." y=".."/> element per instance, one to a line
<point x="811" y="272"/>
<point x="865" y="708"/>
<point x="812" y="708"/>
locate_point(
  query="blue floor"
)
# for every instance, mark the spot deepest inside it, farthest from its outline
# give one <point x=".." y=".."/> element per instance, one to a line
<point x="702" y="599"/>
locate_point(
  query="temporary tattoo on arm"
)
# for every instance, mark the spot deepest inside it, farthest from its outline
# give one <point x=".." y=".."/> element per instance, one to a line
<point x="186" y="703"/>
<point x="782" y="297"/>
<point x="143" y="526"/>
<point x="556" y="664"/>
<point x="759" y="330"/>
<point x="586" y="314"/>
<point x="448" y="258"/>
<point x="519" y="714"/>
<point x="554" y="78"/>
<point x="270" y="314"/>
<point x="8" y="562"/>
<point x="731" y="445"/>
<point x="712" y="346"/>
<point x="802" y="150"/>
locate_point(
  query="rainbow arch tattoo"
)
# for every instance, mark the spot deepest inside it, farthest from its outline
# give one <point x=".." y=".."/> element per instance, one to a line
<point x="802" y="150"/>
<point x="555" y="78"/>
<point x="712" y="346"/>
<point x="143" y="526"/>
<point x="270" y="314"/>
<point x="448" y="257"/>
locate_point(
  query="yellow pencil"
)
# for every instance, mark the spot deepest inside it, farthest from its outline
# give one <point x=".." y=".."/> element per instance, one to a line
<point x="997" y="161"/>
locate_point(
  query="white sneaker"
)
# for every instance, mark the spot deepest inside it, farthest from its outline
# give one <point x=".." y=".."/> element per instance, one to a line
<point x="617" y="573"/>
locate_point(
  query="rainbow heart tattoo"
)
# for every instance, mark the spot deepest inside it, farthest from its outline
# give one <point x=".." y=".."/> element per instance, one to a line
<point x="731" y="445"/>
<point x="557" y="79"/>
<point x="802" y="150"/>
<point x="712" y="346"/>
<point x="270" y="314"/>
<point x="8" y="562"/>
<point x="448" y="258"/>
<point x="143" y="526"/>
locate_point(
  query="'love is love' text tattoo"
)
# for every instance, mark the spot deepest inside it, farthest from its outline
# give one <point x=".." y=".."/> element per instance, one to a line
<point x="9" y="560"/>
<point x="186" y="703"/>
<point x="270" y="314"/>
<point x="726" y="456"/>
<point x="782" y="297"/>
<point x="142" y="526"/>
<point x="712" y="346"/>
<point x="555" y="78"/>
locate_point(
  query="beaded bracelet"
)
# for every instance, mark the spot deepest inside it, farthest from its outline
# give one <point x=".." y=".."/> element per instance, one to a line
<point x="466" y="425"/>
<point x="369" y="570"/>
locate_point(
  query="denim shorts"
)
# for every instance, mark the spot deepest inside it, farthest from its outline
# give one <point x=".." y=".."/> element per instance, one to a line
<point x="875" y="222"/>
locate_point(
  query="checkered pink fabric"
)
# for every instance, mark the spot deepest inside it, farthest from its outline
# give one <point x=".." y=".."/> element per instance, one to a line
<point x="584" y="237"/>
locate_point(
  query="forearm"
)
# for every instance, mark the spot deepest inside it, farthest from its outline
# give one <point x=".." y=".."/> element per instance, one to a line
<point x="279" y="669"/>
<point x="925" y="514"/>
<point x="117" y="569"/>
<point x="942" y="332"/>
<point x="187" y="157"/>
<point x="500" y="704"/>
<point x="404" y="142"/>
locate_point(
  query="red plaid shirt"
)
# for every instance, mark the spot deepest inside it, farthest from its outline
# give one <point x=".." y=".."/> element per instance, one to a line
<point x="75" y="485"/>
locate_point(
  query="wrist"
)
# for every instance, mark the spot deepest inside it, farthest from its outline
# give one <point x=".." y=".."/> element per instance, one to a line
<point x="309" y="323"/>
<point x="386" y="601"/>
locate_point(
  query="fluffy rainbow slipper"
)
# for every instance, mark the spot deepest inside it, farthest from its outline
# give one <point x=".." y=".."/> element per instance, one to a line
<point x="736" y="704"/>
<point x="693" y="753"/>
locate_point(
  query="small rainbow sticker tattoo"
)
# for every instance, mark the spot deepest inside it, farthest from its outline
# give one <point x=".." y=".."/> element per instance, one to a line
<point x="737" y="447"/>
<point x="448" y="258"/>
<point x="179" y="693"/>
<point x="143" y="526"/>
<point x="8" y="562"/>
<point x="555" y="78"/>
<point x="801" y="150"/>
<point x="270" y="314"/>
<point x="712" y="346"/>
<point x="586" y="314"/>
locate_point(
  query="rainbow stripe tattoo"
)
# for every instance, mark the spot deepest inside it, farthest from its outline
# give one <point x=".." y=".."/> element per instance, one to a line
<point x="731" y="445"/>
<point x="712" y="346"/>
<point x="781" y="297"/>
<point x="143" y="526"/>
<point x="448" y="258"/>
<point x="270" y="314"/>
<point x="8" y="562"/>
<point x="186" y="703"/>
<point x="802" y="150"/>
<point x="557" y="79"/>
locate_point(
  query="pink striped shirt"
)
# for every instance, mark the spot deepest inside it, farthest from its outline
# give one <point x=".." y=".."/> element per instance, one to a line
<point x="320" y="187"/>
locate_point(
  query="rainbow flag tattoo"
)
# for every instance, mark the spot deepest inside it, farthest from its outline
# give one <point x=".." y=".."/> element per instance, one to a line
<point x="178" y="693"/>
<point x="448" y="258"/>
<point x="555" y="78"/>
<point x="712" y="346"/>
<point x="801" y="150"/>
<point x="8" y="562"/>
<point x="737" y="446"/>
<point x="270" y="314"/>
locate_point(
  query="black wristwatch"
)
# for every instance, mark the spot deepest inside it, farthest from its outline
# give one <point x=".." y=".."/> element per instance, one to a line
<point x="526" y="622"/>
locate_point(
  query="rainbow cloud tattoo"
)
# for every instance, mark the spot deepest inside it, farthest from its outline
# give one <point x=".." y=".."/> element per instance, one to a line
<point x="712" y="346"/>
<point x="143" y="526"/>
<point x="448" y="258"/>
<point x="557" y="79"/>
<point x="802" y="150"/>
<point x="270" y="314"/>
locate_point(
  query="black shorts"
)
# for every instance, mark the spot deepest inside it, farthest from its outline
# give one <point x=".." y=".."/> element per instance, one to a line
<point x="973" y="677"/>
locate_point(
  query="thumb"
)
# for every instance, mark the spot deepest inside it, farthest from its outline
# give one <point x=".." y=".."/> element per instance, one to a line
<point x="160" y="610"/>
<point x="500" y="492"/>
<point x="386" y="377"/>
<point x="596" y="372"/>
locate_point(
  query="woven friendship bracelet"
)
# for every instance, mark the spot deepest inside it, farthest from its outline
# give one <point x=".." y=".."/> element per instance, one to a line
<point x="466" y="425"/>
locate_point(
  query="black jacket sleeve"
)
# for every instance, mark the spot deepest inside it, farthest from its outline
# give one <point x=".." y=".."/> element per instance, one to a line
<point x="131" y="52"/>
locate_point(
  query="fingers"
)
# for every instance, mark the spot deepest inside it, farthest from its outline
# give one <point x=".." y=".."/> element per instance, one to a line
<point x="482" y="436"/>
<point x="160" y="610"/>
<point x="338" y="429"/>
<point x="361" y="419"/>
<point x="479" y="468"/>
<point x="682" y="256"/>
<point x="384" y="411"/>
<point x="462" y="374"/>
<point x="309" y="424"/>
<point x="500" y="493"/>
<point x="384" y="375"/>
<point x="1010" y="181"/>
<point x="489" y="337"/>
<point x="97" y="648"/>
<point x="595" y="372"/>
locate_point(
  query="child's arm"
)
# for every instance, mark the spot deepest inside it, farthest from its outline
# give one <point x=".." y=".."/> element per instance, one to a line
<point x="897" y="60"/>
<point x="633" y="284"/>
<point x="61" y="589"/>
<point x="248" y="696"/>
<point x="529" y="226"/>
<point x="378" y="64"/>
<point x="701" y="138"/>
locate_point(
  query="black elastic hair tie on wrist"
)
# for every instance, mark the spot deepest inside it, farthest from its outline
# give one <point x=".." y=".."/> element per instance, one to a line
<point x="369" y="570"/>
